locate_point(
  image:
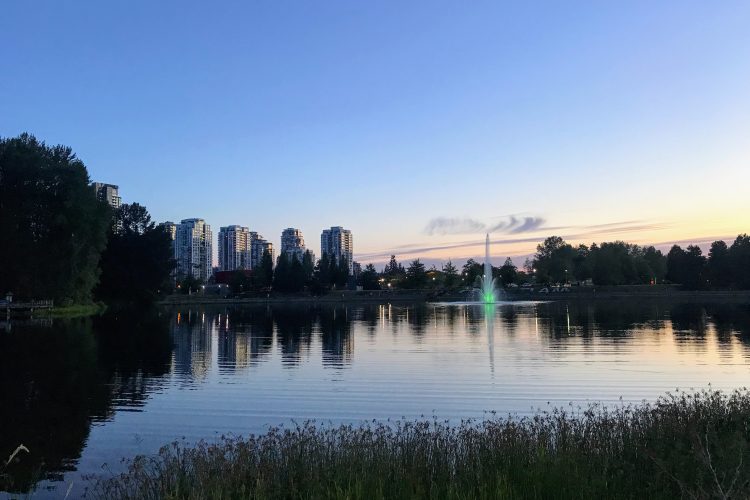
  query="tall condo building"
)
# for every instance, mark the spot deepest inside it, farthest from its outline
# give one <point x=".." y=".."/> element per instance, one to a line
<point x="193" y="249"/>
<point x="258" y="246"/>
<point x="234" y="248"/>
<point x="108" y="193"/>
<point x="292" y="243"/>
<point x="337" y="243"/>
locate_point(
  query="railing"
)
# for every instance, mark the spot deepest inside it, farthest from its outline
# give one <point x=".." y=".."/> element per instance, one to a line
<point x="34" y="304"/>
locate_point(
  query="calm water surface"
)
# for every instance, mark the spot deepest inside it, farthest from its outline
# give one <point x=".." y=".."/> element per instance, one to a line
<point x="83" y="393"/>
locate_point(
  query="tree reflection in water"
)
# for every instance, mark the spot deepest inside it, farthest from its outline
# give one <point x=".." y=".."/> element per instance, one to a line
<point x="59" y="377"/>
<point x="55" y="380"/>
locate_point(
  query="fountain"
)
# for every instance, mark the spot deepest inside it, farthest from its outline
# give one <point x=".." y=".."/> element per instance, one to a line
<point x="488" y="290"/>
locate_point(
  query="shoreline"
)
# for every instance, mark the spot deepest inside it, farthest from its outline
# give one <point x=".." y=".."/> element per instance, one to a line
<point x="684" y="444"/>
<point x="378" y="296"/>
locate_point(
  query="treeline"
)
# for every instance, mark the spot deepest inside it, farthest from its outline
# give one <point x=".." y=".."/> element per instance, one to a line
<point x="59" y="242"/>
<point x="290" y="275"/>
<point x="555" y="262"/>
<point x="620" y="263"/>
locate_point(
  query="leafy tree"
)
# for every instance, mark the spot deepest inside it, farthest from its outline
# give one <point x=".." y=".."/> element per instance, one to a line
<point x="53" y="227"/>
<point x="657" y="263"/>
<point x="137" y="262"/>
<point x="613" y="264"/>
<point x="239" y="282"/>
<point x="582" y="263"/>
<point x="686" y="267"/>
<point x="472" y="271"/>
<point x="739" y="257"/>
<point x="450" y="275"/>
<point x="553" y="260"/>
<point x="719" y="265"/>
<point x="508" y="272"/>
<point x="368" y="278"/>
<point x="188" y="284"/>
<point x="132" y="219"/>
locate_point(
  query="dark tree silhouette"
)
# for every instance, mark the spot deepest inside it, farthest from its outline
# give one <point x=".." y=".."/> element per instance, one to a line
<point x="53" y="228"/>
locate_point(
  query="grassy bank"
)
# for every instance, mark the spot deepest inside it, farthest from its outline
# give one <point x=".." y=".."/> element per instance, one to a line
<point x="689" y="446"/>
<point x="76" y="311"/>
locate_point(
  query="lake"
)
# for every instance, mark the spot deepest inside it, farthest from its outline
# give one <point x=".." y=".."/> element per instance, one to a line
<point x="83" y="394"/>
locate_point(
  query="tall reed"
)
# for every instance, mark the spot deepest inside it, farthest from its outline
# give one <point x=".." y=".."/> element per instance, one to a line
<point x="681" y="446"/>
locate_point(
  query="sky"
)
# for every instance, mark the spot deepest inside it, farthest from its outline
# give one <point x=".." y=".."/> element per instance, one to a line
<point x="418" y="125"/>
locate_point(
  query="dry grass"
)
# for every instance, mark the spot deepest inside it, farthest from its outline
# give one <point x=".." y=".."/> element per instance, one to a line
<point x="684" y="445"/>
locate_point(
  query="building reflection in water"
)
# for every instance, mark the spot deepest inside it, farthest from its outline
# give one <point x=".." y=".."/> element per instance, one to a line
<point x="58" y="378"/>
<point x="191" y="332"/>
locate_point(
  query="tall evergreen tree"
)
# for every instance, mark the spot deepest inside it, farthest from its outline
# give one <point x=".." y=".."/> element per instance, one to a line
<point x="416" y="275"/>
<point x="263" y="275"/>
<point x="323" y="272"/>
<point x="508" y="272"/>
<point x="308" y="266"/>
<point x="342" y="272"/>
<point x="368" y="279"/>
<point x="450" y="275"/>
<point x="297" y="276"/>
<point x="282" y="274"/>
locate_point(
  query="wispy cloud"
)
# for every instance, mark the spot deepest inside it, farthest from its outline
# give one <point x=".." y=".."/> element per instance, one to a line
<point x="448" y="225"/>
<point x="513" y="225"/>
<point x="466" y="225"/>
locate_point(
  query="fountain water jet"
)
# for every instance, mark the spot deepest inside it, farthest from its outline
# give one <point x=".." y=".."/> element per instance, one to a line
<point x="488" y="288"/>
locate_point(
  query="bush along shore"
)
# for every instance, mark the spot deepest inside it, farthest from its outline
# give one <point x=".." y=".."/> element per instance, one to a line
<point x="681" y="446"/>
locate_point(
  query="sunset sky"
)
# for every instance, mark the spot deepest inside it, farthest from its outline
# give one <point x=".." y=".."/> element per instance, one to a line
<point x="418" y="125"/>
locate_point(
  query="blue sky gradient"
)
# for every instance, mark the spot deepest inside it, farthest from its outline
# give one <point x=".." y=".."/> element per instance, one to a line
<point x="382" y="116"/>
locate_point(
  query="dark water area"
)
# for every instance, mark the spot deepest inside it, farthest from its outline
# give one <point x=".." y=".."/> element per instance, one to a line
<point x="83" y="394"/>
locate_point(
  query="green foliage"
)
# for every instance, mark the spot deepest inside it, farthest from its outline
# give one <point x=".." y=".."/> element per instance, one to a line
<point x="289" y="275"/>
<point x="281" y="275"/>
<point x="508" y="272"/>
<point x="416" y="275"/>
<point x="682" y="446"/>
<point x="50" y="214"/>
<point x="739" y="258"/>
<point x="137" y="262"/>
<point x="308" y="266"/>
<point x="687" y="267"/>
<point x="368" y="278"/>
<point x="719" y="265"/>
<point x="321" y="281"/>
<point x="450" y="275"/>
<point x="393" y="269"/>
<point x="553" y="261"/>
<point x="609" y="263"/>
<point x="188" y="285"/>
<point x="471" y="272"/>
<point x="239" y="282"/>
<point x="263" y="275"/>
<point x="340" y="272"/>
